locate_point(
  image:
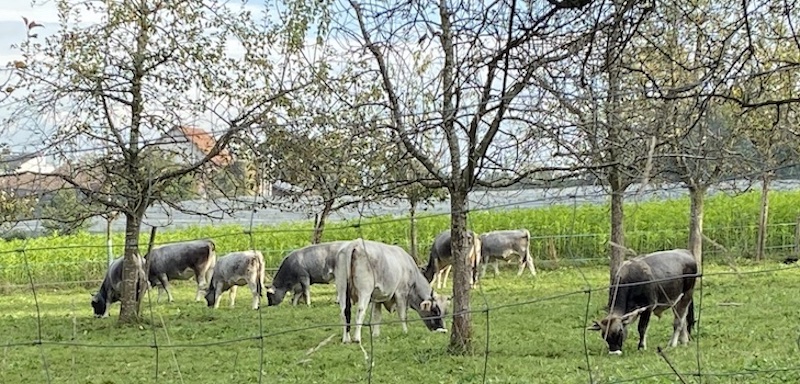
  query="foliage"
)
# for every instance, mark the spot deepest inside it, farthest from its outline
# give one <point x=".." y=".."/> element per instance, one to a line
<point x="542" y="339"/>
<point x="559" y="232"/>
<point x="14" y="208"/>
<point x="66" y="213"/>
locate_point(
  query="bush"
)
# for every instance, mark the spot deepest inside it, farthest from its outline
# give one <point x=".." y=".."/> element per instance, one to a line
<point x="558" y="232"/>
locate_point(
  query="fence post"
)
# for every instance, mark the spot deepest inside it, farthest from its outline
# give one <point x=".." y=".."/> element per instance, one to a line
<point x="797" y="236"/>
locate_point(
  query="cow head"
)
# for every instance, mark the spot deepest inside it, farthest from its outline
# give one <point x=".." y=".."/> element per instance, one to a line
<point x="614" y="329"/>
<point x="99" y="305"/>
<point x="433" y="310"/>
<point x="211" y="294"/>
<point x="275" y="296"/>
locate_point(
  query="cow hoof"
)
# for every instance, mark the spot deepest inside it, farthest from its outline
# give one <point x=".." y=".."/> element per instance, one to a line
<point x="616" y="353"/>
<point x="441" y="330"/>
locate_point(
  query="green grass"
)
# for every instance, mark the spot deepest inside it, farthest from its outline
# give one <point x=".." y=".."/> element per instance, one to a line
<point x="539" y="342"/>
<point x="559" y="233"/>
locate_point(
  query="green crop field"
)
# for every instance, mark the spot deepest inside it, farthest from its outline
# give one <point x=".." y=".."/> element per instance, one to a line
<point x="747" y="325"/>
<point x="560" y="234"/>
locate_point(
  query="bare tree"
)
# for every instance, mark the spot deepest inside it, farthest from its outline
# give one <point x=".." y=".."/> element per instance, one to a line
<point x="119" y="90"/>
<point x="457" y="78"/>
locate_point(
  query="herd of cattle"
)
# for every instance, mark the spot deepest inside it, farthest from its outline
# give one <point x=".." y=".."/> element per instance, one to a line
<point x="372" y="275"/>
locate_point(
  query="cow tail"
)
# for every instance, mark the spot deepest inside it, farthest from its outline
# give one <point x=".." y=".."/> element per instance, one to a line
<point x="260" y="275"/>
<point x="527" y="247"/>
<point x="348" y="302"/>
<point x="690" y="317"/>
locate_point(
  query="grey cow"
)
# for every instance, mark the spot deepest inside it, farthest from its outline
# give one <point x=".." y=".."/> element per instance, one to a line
<point x="646" y="285"/>
<point x="181" y="261"/>
<point x="369" y="273"/>
<point x="300" y="269"/>
<point x="500" y="245"/>
<point x="233" y="270"/>
<point x="111" y="287"/>
<point x="441" y="258"/>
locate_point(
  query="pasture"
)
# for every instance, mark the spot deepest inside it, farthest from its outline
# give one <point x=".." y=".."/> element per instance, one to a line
<point x="747" y="332"/>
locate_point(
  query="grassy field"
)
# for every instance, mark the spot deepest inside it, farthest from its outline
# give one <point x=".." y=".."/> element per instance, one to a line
<point x="559" y="233"/>
<point x="748" y="323"/>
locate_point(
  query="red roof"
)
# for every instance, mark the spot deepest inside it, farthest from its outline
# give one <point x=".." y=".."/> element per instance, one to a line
<point x="205" y="142"/>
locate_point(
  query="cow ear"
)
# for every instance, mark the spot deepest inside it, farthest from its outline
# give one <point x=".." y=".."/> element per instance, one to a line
<point x="594" y="327"/>
<point x="425" y="305"/>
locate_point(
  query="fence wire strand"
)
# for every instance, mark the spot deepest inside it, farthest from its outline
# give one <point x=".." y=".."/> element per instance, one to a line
<point x="486" y="310"/>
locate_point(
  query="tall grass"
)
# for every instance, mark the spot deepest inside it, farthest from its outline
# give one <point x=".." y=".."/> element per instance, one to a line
<point x="558" y="232"/>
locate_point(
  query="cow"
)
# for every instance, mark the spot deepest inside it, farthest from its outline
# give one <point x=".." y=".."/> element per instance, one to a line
<point x="233" y="270"/>
<point x="181" y="261"/>
<point x="646" y="285"/>
<point x="111" y="287"/>
<point x="377" y="274"/>
<point x="500" y="245"/>
<point x="300" y="269"/>
<point x="441" y="259"/>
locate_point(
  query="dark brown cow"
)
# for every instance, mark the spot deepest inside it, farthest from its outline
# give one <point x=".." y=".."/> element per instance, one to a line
<point x="669" y="278"/>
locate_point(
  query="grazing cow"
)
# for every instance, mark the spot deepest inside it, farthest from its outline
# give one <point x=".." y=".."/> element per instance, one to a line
<point x="440" y="261"/>
<point x="302" y="267"/>
<point x="111" y="287"/>
<point x="669" y="278"/>
<point x="181" y="261"/>
<point x="369" y="272"/>
<point x="234" y="269"/>
<point x="499" y="245"/>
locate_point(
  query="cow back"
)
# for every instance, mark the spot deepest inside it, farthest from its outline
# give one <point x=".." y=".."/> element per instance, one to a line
<point x="174" y="259"/>
<point x="656" y="278"/>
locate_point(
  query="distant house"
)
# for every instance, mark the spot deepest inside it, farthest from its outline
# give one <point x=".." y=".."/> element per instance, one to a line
<point x="192" y="144"/>
<point x="36" y="162"/>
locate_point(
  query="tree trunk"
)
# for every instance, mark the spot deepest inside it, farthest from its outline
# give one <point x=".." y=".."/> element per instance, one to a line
<point x="617" y="227"/>
<point x="412" y="213"/>
<point x="128" y="307"/>
<point x="761" y="242"/>
<point x="461" y="336"/>
<point x="697" y="197"/>
<point x="319" y="226"/>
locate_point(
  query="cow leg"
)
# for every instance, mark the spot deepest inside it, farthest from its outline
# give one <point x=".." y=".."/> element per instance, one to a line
<point x="644" y="321"/>
<point x="375" y="321"/>
<point x="305" y="289"/>
<point x="529" y="261"/>
<point x="217" y="295"/>
<point x="232" y="296"/>
<point x="444" y="275"/>
<point x="165" y="283"/>
<point x="496" y="265"/>
<point x="253" y="284"/>
<point x="402" y="312"/>
<point x="200" y="278"/>
<point x="343" y="304"/>
<point x="160" y="291"/>
<point x="680" y="324"/>
<point x="361" y="312"/>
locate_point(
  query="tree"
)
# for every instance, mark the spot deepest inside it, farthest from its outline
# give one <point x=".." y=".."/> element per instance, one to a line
<point x="457" y="76"/>
<point x="328" y="162"/>
<point x="147" y="67"/>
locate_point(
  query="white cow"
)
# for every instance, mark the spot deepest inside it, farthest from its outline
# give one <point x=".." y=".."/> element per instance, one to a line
<point x="372" y="273"/>
<point x="500" y="245"/>
<point x="234" y="269"/>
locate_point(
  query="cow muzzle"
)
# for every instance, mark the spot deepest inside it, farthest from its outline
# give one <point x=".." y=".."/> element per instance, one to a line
<point x="441" y="330"/>
<point x="616" y="353"/>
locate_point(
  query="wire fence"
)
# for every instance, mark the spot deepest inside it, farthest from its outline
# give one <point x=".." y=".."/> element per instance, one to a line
<point x="496" y="319"/>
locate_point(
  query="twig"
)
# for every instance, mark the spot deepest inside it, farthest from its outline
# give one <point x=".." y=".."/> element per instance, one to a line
<point x="724" y="252"/>
<point x="672" y="367"/>
<point x="320" y="345"/>
<point x="174" y="358"/>
<point x="626" y="249"/>
<point x="729" y="304"/>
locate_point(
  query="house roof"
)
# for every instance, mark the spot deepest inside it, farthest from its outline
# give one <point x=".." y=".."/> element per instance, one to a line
<point x="205" y="142"/>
